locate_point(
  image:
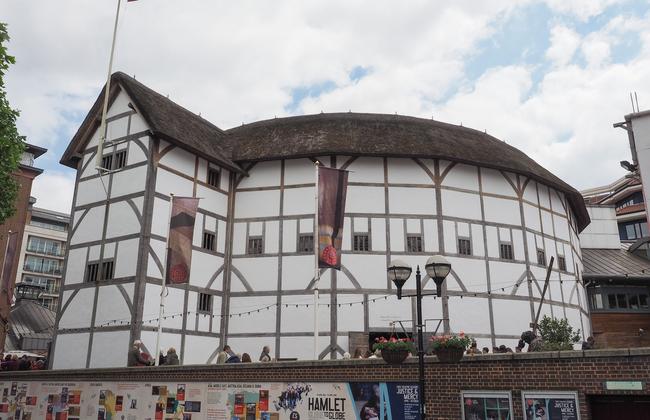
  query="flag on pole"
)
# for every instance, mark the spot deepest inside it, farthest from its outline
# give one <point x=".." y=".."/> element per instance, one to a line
<point x="332" y="188"/>
<point x="8" y="265"/>
<point x="181" y="232"/>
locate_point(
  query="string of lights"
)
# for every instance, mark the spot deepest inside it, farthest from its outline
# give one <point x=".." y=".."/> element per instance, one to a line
<point x="453" y="294"/>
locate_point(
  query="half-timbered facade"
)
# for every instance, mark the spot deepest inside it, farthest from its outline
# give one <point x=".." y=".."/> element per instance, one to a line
<point x="416" y="187"/>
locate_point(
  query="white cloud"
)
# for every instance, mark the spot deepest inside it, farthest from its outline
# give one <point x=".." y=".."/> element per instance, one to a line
<point x="564" y="43"/>
<point x="53" y="191"/>
<point x="582" y="9"/>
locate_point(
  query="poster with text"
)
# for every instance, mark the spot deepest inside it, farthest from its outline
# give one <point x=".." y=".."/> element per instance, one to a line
<point x="551" y="405"/>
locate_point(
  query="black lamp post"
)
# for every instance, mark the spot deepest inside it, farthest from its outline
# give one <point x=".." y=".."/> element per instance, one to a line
<point x="437" y="267"/>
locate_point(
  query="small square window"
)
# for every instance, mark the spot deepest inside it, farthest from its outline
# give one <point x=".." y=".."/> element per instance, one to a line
<point x="561" y="262"/>
<point x="306" y="244"/>
<point x="92" y="271"/>
<point x="464" y="246"/>
<point x="120" y="160"/>
<point x="505" y="251"/>
<point x="213" y="177"/>
<point x="541" y="257"/>
<point x="255" y="245"/>
<point x="414" y="243"/>
<point x="107" y="270"/>
<point x="611" y="301"/>
<point x="205" y="303"/>
<point x="361" y="242"/>
<point x="107" y="162"/>
<point x="208" y="241"/>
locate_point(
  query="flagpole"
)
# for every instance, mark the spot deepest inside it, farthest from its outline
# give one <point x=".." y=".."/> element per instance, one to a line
<point x="163" y="289"/>
<point x="316" y="270"/>
<point x="102" y="127"/>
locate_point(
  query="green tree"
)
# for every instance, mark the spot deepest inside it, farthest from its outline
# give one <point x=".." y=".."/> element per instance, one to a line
<point x="557" y="334"/>
<point x="11" y="144"/>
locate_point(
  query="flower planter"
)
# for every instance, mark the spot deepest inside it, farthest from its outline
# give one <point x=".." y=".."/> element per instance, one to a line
<point x="394" y="357"/>
<point x="449" y="354"/>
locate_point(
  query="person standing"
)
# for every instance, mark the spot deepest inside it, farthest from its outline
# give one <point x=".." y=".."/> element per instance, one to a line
<point x="137" y="357"/>
<point x="265" y="356"/>
<point x="172" y="358"/>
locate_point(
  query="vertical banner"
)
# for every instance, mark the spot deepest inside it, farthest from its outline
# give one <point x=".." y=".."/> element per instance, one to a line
<point x="181" y="231"/>
<point x="551" y="405"/>
<point x="332" y="188"/>
<point x="8" y="265"/>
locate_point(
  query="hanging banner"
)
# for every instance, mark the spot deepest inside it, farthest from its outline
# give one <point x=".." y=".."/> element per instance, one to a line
<point x="8" y="265"/>
<point x="181" y="231"/>
<point x="332" y="189"/>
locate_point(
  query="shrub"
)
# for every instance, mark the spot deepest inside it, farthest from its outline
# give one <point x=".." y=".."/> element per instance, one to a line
<point x="557" y="334"/>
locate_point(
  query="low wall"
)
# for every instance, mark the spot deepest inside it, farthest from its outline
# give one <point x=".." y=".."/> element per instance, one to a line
<point x="582" y="372"/>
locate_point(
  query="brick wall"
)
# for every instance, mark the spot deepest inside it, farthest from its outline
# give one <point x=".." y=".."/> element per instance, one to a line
<point x="584" y="372"/>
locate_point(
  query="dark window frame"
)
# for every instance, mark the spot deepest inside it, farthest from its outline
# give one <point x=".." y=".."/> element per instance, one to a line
<point x="506" y="251"/>
<point x="462" y="249"/>
<point x="115" y="160"/>
<point x="541" y="257"/>
<point x="414" y="243"/>
<point x="92" y="272"/>
<point x="208" y="240"/>
<point x="361" y="242"/>
<point x="253" y="247"/>
<point x="204" y="303"/>
<point x="108" y="269"/>
<point x="561" y="262"/>
<point x="627" y="299"/>
<point x="213" y="177"/>
<point x="305" y="243"/>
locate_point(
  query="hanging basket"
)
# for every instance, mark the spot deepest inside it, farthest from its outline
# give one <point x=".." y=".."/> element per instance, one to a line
<point x="394" y="357"/>
<point x="450" y="354"/>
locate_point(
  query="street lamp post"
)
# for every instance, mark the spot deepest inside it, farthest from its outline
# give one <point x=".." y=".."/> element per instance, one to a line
<point x="437" y="267"/>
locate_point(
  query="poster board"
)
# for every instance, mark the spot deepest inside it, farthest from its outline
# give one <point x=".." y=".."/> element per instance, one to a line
<point x="208" y="400"/>
<point x="486" y="405"/>
<point x="550" y="405"/>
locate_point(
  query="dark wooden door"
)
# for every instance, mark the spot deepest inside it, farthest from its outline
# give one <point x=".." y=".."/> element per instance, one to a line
<point x="619" y="408"/>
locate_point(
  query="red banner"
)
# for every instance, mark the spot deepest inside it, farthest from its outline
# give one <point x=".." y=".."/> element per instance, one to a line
<point x="8" y="265"/>
<point x="332" y="188"/>
<point x="181" y="231"/>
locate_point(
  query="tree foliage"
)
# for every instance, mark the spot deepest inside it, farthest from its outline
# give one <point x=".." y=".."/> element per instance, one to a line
<point x="11" y="144"/>
<point x="557" y="334"/>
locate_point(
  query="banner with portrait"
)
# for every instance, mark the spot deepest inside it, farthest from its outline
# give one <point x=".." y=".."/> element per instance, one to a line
<point x="559" y="405"/>
<point x="181" y="232"/>
<point x="332" y="189"/>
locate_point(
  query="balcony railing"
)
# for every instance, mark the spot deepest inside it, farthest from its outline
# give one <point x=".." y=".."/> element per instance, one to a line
<point x="54" y="252"/>
<point x="35" y="269"/>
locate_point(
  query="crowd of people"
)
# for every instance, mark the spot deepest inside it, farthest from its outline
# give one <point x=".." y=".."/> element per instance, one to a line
<point x="138" y="356"/>
<point x="13" y="362"/>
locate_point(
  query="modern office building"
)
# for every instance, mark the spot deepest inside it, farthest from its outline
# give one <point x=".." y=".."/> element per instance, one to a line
<point x="416" y="187"/>
<point x="43" y="252"/>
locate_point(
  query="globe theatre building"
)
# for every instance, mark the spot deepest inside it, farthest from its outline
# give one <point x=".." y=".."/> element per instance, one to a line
<point x="416" y="187"/>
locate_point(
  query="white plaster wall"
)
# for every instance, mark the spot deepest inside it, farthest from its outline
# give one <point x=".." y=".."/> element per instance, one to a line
<point x="302" y="347"/>
<point x="462" y="176"/>
<point x="544" y="198"/>
<point x="430" y="235"/>
<point x="406" y="200"/>
<point x="449" y="236"/>
<point x="263" y="174"/>
<point x="119" y="105"/>
<point x="530" y="192"/>
<point x="160" y="217"/>
<point x="129" y="181"/>
<point x="299" y="201"/>
<point x="396" y="227"/>
<point x="505" y="275"/>
<point x="136" y="154"/>
<point x="211" y="200"/>
<point x="299" y="171"/>
<point x="369" y="270"/>
<point x="169" y="183"/>
<point x="259" y="272"/>
<point x="111" y="306"/>
<point x="167" y="340"/>
<point x="364" y="200"/>
<point x="126" y="258"/>
<point x="499" y="210"/>
<point x="76" y="266"/>
<point x="272" y="236"/>
<point x="470" y="315"/>
<point x="247" y="203"/>
<point x="204" y="266"/>
<point x="122" y="220"/>
<point x="198" y="349"/>
<point x="297" y="271"/>
<point x="505" y="322"/>
<point x="180" y="160"/>
<point x="407" y="171"/>
<point x="106" y="346"/>
<point x="71" y="351"/>
<point x="173" y="305"/>
<point x="366" y="169"/>
<point x="301" y="319"/>
<point x="460" y="204"/>
<point x="158" y="248"/>
<point x="602" y="232"/>
<point x="384" y="311"/>
<point x="79" y="311"/>
<point x="494" y="182"/>
<point x="531" y="217"/>
<point x="350" y="318"/>
<point x="91" y="191"/>
<point x="378" y="238"/>
<point x="470" y="271"/>
<point x="255" y="322"/>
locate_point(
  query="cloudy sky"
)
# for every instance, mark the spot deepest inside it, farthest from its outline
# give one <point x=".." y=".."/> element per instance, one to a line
<point x="549" y="77"/>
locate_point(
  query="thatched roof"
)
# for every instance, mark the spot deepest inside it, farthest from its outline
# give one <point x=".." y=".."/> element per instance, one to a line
<point x="349" y="134"/>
